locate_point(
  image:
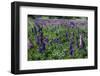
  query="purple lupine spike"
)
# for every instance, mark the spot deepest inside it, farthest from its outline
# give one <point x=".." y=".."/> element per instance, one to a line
<point x="41" y="37"/>
<point x="43" y="45"/>
<point x="36" y="22"/>
<point x="72" y="24"/>
<point x="72" y="52"/>
<point x="43" y="23"/>
<point x="71" y="49"/>
<point x="42" y="48"/>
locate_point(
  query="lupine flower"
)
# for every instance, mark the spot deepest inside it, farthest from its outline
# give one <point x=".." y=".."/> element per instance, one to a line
<point x="71" y="49"/>
<point x="72" y="52"/>
<point x="42" y="48"/>
<point x="37" y="25"/>
<point x="39" y="39"/>
<point x="41" y="36"/>
<point x="36" y="22"/>
<point x="43" y="23"/>
<point x="72" y="24"/>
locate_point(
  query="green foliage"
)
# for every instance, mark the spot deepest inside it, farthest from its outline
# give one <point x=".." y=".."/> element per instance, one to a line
<point x="56" y="50"/>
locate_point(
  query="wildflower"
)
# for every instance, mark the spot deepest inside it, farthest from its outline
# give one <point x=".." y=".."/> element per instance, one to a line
<point x="36" y="22"/>
<point x="43" y="23"/>
<point x="72" y="52"/>
<point x="71" y="49"/>
<point x="42" y="48"/>
<point x="72" y="24"/>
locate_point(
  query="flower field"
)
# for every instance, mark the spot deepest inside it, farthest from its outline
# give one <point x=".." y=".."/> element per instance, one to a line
<point x="57" y="37"/>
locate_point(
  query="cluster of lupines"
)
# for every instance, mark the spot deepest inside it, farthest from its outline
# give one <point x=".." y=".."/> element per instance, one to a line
<point x="67" y="22"/>
<point x="39" y="37"/>
<point x="43" y="41"/>
<point x="79" y="44"/>
<point x="57" y="40"/>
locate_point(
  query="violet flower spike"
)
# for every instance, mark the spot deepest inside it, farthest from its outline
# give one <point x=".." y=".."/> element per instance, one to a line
<point x="71" y="49"/>
<point x="42" y="48"/>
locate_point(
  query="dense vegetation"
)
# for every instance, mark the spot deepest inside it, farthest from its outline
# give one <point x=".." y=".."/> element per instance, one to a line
<point x="56" y="42"/>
